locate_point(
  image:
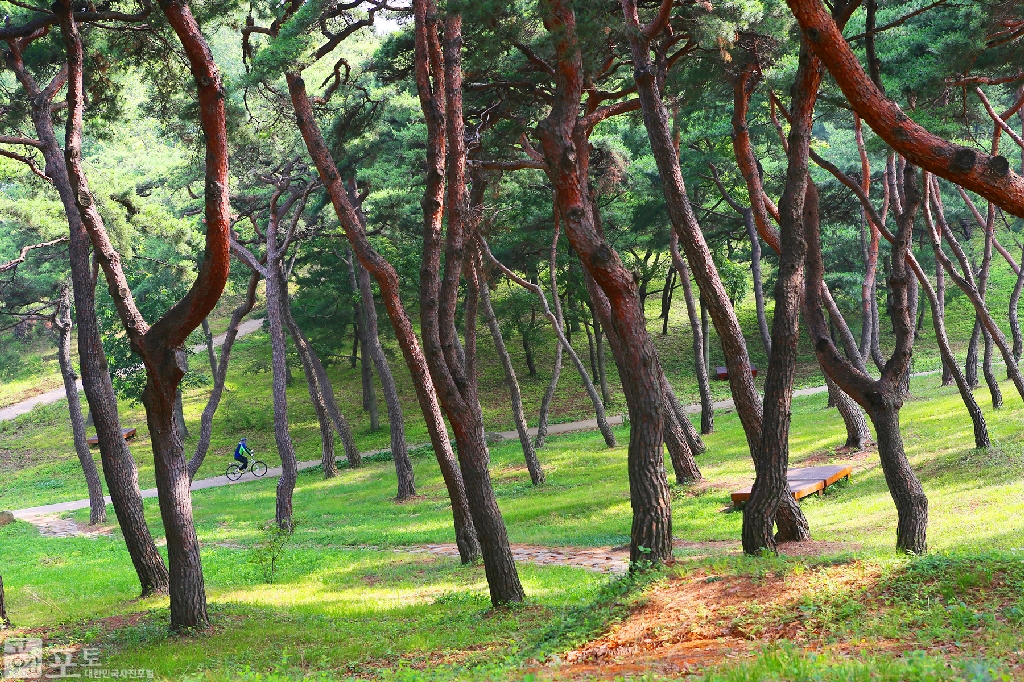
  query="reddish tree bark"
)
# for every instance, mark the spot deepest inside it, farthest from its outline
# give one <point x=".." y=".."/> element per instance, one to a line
<point x="119" y="467"/>
<point x="989" y="176"/>
<point x="564" y="137"/>
<point x="161" y="346"/>
<point x="387" y="280"/>
<point x="439" y="83"/>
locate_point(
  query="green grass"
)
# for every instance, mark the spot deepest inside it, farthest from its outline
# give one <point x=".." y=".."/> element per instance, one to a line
<point x="344" y="603"/>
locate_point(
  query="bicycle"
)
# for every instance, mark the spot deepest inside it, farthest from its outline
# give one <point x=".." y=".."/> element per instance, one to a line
<point x="255" y="466"/>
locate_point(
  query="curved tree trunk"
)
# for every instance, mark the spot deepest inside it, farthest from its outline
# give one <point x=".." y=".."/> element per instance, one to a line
<point x="62" y="320"/>
<point x="905" y="488"/>
<point x="532" y="463"/>
<point x="707" y="405"/>
<point x="396" y="422"/>
<point x="439" y="85"/>
<point x="556" y="372"/>
<point x="353" y="222"/>
<point x="313" y="385"/>
<point x="602" y="421"/>
<point x="220" y="376"/>
<point x="857" y="433"/>
<point x="119" y="469"/>
<point x="971" y="363"/>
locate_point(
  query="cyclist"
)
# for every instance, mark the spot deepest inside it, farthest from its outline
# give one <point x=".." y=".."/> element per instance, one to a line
<point x="240" y="454"/>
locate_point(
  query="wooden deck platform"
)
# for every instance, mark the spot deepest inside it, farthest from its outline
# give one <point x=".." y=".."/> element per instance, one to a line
<point x="127" y="433"/>
<point x="804" y="482"/>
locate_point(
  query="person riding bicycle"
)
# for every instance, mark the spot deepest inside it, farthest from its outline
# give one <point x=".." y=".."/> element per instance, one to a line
<point x="240" y="454"/>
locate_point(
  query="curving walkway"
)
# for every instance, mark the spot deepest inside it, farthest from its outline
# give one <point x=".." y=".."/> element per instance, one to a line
<point x="11" y="411"/>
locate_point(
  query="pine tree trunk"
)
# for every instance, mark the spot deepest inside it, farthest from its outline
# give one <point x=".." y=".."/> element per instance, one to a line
<point x="532" y="463"/>
<point x="399" y="448"/>
<point x="707" y="407"/>
<point x="62" y="321"/>
<point x="602" y="365"/>
<point x="220" y="377"/>
<point x="971" y="363"/>
<point x="354" y="224"/>
<point x="454" y="373"/>
<point x="666" y="299"/>
<point x="556" y="371"/>
<point x="119" y="469"/>
<point x="940" y="298"/>
<point x="904" y="487"/>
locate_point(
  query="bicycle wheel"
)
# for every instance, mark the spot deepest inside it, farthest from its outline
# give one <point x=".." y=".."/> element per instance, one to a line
<point x="234" y="472"/>
<point x="258" y="468"/>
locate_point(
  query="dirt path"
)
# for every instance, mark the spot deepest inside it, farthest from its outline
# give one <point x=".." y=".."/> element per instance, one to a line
<point x="17" y="409"/>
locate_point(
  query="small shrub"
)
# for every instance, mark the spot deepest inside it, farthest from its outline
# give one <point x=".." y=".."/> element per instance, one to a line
<point x="269" y="549"/>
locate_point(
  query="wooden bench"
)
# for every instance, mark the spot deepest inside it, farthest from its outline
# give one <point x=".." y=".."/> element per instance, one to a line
<point x="127" y="433"/>
<point x="804" y="482"/>
<point x="722" y="373"/>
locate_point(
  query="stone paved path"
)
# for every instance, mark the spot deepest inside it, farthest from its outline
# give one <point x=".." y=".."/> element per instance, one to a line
<point x="12" y="411"/>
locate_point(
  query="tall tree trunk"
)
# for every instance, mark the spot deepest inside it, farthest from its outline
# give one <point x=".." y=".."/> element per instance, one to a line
<point x="210" y="354"/>
<point x="771" y="462"/>
<point x="1018" y="287"/>
<point x="556" y="371"/>
<point x="755" y="272"/>
<point x="707" y="406"/>
<point x="602" y="365"/>
<point x="439" y="86"/>
<point x="364" y="339"/>
<point x="396" y="421"/>
<point x="602" y="421"/>
<point x="119" y="469"/>
<point x="532" y="463"/>
<point x="62" y="320"/>
<point x="986" y="266"/>
<point x="881" y="398"/>
<point x="220" y="376"/>
<point x="354" y="224"/>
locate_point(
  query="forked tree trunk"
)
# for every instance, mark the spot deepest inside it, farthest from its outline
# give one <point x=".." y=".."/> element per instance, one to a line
<point x="439" y="84"/>
<point x="771" y="462"/>
<point x="119" y="467"/>
<point x="466" y="537"/>
<point x="516" y="396"/>
<point x="62" y="320"/>
<point x="220" y="376"/>
<point x="880" y="398"/>
<point x="161" y="346"/>
<point x="396" y="422"/>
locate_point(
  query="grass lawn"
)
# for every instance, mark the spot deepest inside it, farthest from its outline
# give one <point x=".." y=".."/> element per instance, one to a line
<point x="345" y="603"/>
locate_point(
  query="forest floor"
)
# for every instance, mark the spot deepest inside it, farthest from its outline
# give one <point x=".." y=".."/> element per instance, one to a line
<point x="360" y="593"/>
